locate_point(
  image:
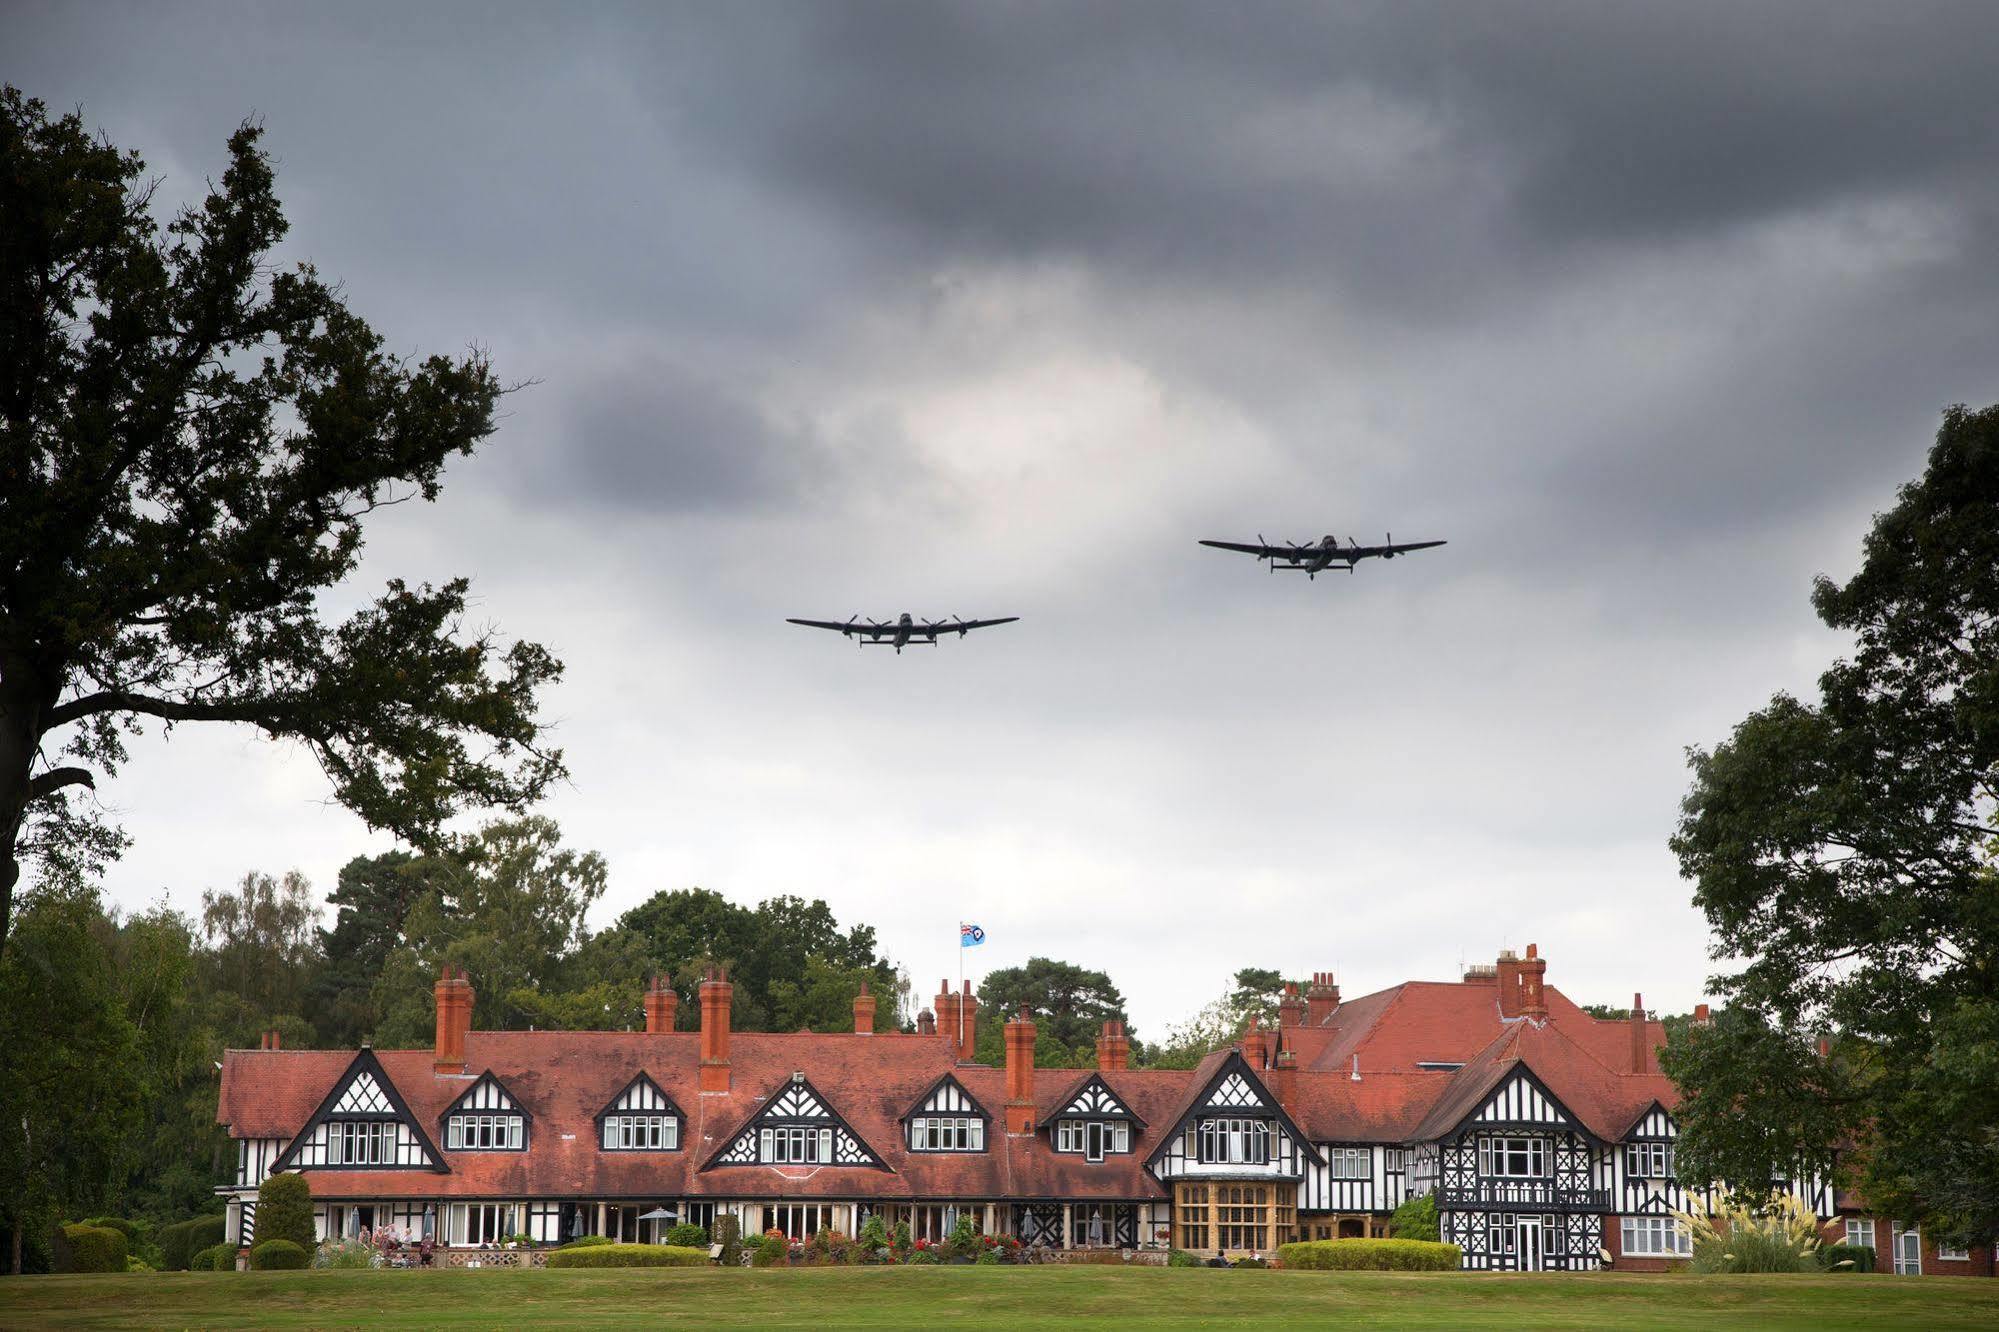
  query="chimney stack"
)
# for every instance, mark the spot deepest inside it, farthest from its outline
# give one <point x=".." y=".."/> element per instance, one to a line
<point x="1641" y="1037"/>
<point x="454" y="1019"/>
<point x="947" y="1011"/>
<point x="864" y="1012"/>
<point x="1533" y="1004"/>
<point x="1703" y="1016"/>
<point x="1020" y="1074"/>
<point x="1257" y="1045"/>
<point x="1321" y="998"/>
<point x="1291" y="1008"/>
<point x="926" y="1023"/>
<point x="716" y="993"/>
<point x="662" y="1005"/>
<point x="968" y="1040"/>
<point x="272" y="1040"/>
<point x="1509" y="983"/>
<point x="1113" y="1047"/>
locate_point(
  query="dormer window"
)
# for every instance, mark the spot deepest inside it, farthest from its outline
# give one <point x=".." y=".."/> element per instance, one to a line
<point x="641" y="1118"/>
<point x="947" y="1119"/>
<point x="1233" y="1141"/>
<point x="1092" y="1137"/>
<point x="485" y="1119"/>
<point x="796" y="1127"/>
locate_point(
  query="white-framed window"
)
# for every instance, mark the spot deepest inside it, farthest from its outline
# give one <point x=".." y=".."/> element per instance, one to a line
<point x="795" y="1146"/>
<point x="1947" y="1254"/>
<point x="1092" y="1137"/>
<point x="1649" y="1160"/>
<point x="1655" y="1237"/>
<point x="1346" y="1162"/>
<point x="1394" y="1159"/>
<point x="947" y="1133"/>
<point x="361" y="1142"/>
<point x="1513" y="1158"/>
<point x="641" y="1133"/>
<point x="1860" y="1230"/>
<point x="483" y="1223"/>
<point x="1235" y="1141"/>
<point x="798" y="1221"/>
<point x="485" y="1133"/>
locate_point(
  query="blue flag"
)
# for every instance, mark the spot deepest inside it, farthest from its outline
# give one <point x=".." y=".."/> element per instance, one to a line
<point x="970" y="936"/>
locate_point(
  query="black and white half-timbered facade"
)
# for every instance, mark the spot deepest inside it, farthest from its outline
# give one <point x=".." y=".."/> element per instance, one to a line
<point x="1546" y="1135"/>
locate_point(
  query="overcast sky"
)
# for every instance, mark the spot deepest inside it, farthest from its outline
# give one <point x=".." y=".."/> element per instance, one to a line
<point x="995" y="311"/>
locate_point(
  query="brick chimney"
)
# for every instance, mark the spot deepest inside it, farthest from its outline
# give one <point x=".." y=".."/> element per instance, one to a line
<point x="1321" y="998"/>
<point x="1291" y="1008"/>
<point x="271" y="1040"/>
<point x="1113" y="1047"/>
<point x="968" y="1043"/>
<point x="1020" y="1110"/>
<point x="454" y="1019"/>
<point x="864" y="1012"/>
<point x="947" y="1010"/>
<point x="716" y="993"/>
<point x="1509" y="983"/>
<point x="1533" y="1003"/>
<point x="1257" y="1045"/>
<point x="926" y="1023"/>
<point x="662" y="1005"/>
<point x="1641" y="1037"/>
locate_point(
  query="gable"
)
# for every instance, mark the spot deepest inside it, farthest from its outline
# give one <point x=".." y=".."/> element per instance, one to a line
<point x="488" y="1095"/>
<point x="1521" y="1100"/>
<point x="796" y="1106"/>
<point x="1234" y="1087"/>
<point x="641" y="1096"/>
<point x="1235" y="1092"/>
<point x="947" y="1096"/>
<point x="1655" y="1125"/>
<point x="362" y="1124"/>
<point x="1095" y="1100"/>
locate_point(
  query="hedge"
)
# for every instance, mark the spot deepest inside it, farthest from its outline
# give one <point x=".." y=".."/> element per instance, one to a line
<point x="587" y="1242"/>
<point x="1861" y="1255"/>
<point x="1416" y="1219"/>
<point x="1372" y="1255"/>
<point x="629" y="1255"/>
<point x="688" y="1236"/>
<point x="278" y="1255"/>
<point x="182" y="1240"/>
<point x="214" y="1258"/>
<point x="284" y="1211"/>
<point x="94" y="1249"/>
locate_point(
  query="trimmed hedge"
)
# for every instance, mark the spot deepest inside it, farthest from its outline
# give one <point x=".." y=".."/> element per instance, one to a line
<point x="629" y="1255"/>
<point x="687" y="1235"/>
<point x="284" y="1211"/>
<point x="1372" y="1255"/>
<point x="181" y="1241"/>
<point x="279" y="1255"/>
<point x="1861" y="1255"/>
<point x="587" y="1242"/>
<point x="94" y="1249"/>
<point x="214" y="1258"/>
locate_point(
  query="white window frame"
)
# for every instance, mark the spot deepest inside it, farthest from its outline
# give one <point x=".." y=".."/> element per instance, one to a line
<point x="1348" y="1163"/>
<point x="361" y="1142"/>
<point x="1648" y="1160"/>
<point x="947" y="1133"/>
<point x="649" y="1131"/>
<point x="485" y="1131"/>
<point x="1235" y="1140"/>
<point x="1496" y="1157"/>
<point x="1950" y="1255"/>
<point x="1655" y="1237"/>
<point x="1859" y="1226"/>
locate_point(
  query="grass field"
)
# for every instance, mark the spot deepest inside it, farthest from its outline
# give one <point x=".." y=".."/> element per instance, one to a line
<point x="925" y="1297"/>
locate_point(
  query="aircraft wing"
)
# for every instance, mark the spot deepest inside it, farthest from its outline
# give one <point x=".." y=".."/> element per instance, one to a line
<point x="1365" y="552"/>
<point x="960" y="626"/>
<point x="1261" y="552"/>
<point x="839" y="626"/>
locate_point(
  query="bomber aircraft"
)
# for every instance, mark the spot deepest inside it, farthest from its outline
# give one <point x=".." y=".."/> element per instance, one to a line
<point x="1316" y="557"/>
<point x="902" y="632"/>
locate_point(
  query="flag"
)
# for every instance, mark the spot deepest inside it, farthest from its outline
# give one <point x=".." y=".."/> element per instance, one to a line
<point x="970" y="936"/>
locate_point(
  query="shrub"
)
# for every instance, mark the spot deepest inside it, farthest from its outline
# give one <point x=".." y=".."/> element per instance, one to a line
<point x="587" y="1242"/>
<point x="181" y="1241"/>
<point x="1181" y="1258"/>
<point x="278" y="1255"/>
<point x="922" y="1257"/>
<point x="131" y="1230"/>
<point x="873" y="1239"/>
<point x="94" y="1249"/>
<point x="1857" y="1257"/>
<point x="1257" y="1264"/>
<point x="1415" y="1219"/>
<point x="284" y="1211"/>
<point x="214" y="1258"/>
<point x="343" y="1254"/>
<point x="771" y="1249"/>
<point x="729" y="1234"/>
<point x="1779" y="1234"/>
<point x="964" y="1239"/>
<point x="1372" y="1255"/>
<point x="629" y="1255"/>
<point x="900" y="1241"/>
<point x="687" y="1235"/>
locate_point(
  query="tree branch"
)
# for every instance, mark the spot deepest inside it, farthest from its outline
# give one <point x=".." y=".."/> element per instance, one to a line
<point x="119" y="700"/>
<point x="56" y="778"/>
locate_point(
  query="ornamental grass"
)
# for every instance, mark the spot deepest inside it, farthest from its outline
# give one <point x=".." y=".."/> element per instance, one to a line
<point x="1779" y="1234"/>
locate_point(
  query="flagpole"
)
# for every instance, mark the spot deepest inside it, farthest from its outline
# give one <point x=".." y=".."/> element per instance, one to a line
<point x="961" y="987"/>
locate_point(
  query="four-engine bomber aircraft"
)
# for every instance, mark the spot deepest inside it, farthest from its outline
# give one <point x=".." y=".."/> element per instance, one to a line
<point x="1315" y="558"/>
<point x="902" y="632"/>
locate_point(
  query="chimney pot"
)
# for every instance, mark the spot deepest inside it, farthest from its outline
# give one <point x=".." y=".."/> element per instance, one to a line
<point x="1322" y="997"/>
<point x="926" y="1023"/>
<point x="662" y="1005"/>
<point x="1020" y="1074"/>
<point x="864" y="1012"/>
<point x="716" y="994"/>
<point x="454" y="996"/>
<point x="1641" y="1036"/>
<point x="1113" y="1047"/>
<point x="1703" y="1016"/>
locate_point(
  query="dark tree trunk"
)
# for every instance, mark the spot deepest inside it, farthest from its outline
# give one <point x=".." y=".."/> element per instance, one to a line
<point x="20" y="732"/>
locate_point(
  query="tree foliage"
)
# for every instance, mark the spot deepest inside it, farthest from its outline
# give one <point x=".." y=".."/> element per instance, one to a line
<point x="1253" y="992"/>
<point x="284" y="1210"/>
<point x="191" y="441"/>
<point x="1842" y="850"/>
<point x="1070" y="1005"/>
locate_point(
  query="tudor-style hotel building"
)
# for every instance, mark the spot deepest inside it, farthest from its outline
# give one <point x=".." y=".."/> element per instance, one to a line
<point x="1545" y="1134"/>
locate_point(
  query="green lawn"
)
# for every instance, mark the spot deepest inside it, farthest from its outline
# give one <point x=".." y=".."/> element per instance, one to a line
<point x="924" y="1297"/>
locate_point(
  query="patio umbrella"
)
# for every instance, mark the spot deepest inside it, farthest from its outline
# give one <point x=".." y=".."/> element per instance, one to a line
<point x="658" y="1214"/>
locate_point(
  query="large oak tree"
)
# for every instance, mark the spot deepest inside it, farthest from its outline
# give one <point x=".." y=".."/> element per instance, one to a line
<point x="191" y="439"/>
<point x="1843" y="852"/>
